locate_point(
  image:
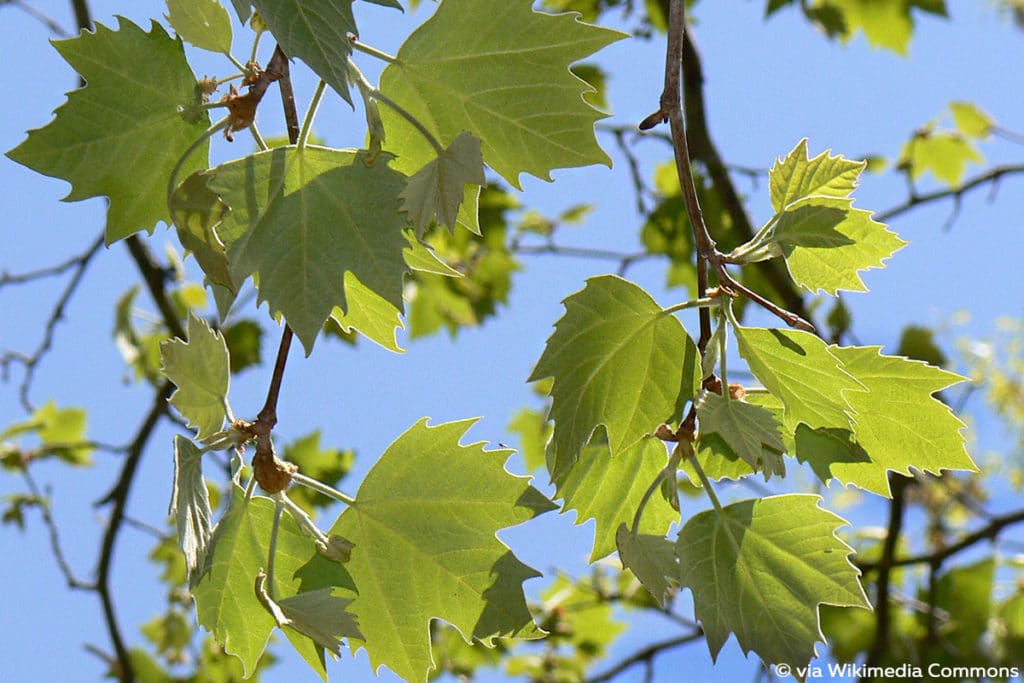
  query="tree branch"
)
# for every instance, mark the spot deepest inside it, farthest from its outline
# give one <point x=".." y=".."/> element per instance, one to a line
<point x="646" y="655"/>
<point x="993" y="175"/>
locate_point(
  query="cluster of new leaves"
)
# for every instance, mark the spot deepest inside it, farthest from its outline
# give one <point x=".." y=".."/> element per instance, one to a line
<point x="330" y="234"/>
<point x="622" y="365"/>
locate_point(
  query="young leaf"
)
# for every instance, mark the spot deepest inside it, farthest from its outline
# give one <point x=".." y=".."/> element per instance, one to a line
<point x="617" y="360"/>
<point x="826" y="242"/>
<point x="652" y="559"/>
<point x="197" y="211"/>
<point x="369" y="314"/>
<point x="199" y="368"/>
<point x="190" y="504"/>
<point x="316" y="614"/>
<point x="122" y="134"/>
<point x="438" y="188"/>
<point x="760" y="569"/>
<point x="315" y="31"/>
<point x="971" y="120"/>
<point x="424" y="532"/>
<point x="944" y="153"/>
<point x="226" y="603"/>
<point x="301" y="219"/>
<point x="501" y="72"/>
<point x="204" y="23"/>
<point x="802" y="372"/>
<point x="749" y="430"/>
<point x="60" y="431"/>
<point x="608" y="489"/>
<point x="798" y="176"/>
<point x="900" y="424"/>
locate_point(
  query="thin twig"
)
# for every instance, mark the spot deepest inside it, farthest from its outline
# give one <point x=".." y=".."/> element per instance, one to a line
<point x="55" y="544"/>
<point x="916" y="200"/>
<point x="646" y="654"/>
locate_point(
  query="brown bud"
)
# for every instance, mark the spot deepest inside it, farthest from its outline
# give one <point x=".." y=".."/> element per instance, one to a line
<point x="272" y="474"/>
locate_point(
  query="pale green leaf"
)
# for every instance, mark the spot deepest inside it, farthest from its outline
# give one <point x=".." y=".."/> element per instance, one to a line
<point x="608" y="488"/>
<point x="717" y="459"/>
<point x="899" y="425"/>
<point x="204" y="23"/>
<point x="437" y="189"/>
<point x="422" y="257"/>
<point x="652" y="559"/>
<point x="759" y="569"/>
<point x="315" y="31"/>
<point x="501" y="72"/>
<point x="944" y="153"/>
<point x="227" y="604"/>
<point x="826" y="241"/>
<point x="322" y="617"/>
<point x="749" y="430"/>
<point x="617" y="360"/>
<point x="122" y="134"/>
<point x="425" y="547"/>
<point x="301" y="219"/>
<point x="190" y="503"/>
<point x="197" y="211"/>
<point x="802" y="372"/>
<point x="199" y="369"/>
<point x="60" y="431"/>
<point x="971" y="120"/>
<point x="798" y="176"/>
<point x="370" y="314"/>
<point x="534" y="431"/>
<point x="888" y="25"/>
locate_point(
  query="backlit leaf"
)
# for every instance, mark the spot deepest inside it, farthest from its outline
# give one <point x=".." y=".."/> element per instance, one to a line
<point x="802" y="372"/>
<point x="759" y="569"/>
<point x="199" y="368"/>
<point x="437" y="189"/>
<point x="799" y="176"/>
<point x="501" y="72"/>
<point x="414" y="567"/>
<point x="617" y="360"/>
<point x="190" y="503"/>
<point x="301" y="219"/>
<point x="749" y="430"/>
<point x="651" y="558"/>
<point x="315" y="31"/>
<point x="608" y="488"/>
<point x="122" y="134"/>
<point x="204" y="23"/>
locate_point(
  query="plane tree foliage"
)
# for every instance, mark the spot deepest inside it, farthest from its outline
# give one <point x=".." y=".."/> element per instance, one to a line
<point x="649" y="408"/>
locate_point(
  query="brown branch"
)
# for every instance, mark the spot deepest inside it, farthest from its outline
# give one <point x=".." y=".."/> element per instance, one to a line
<point x="898" y="484"/>
<point x="271" y="473"/>
<point x="991" y="176"/>
<point x="646" y="655"/>
<point x="54" y="533"/>
<point x="989" y="532"/>
<point x="31" y="362"/>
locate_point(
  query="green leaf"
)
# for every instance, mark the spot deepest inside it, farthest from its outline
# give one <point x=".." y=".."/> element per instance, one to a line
<point x="760" y="569"/>
<point x="501" y="72"/>
<point x="534" y="431"/>
<point x="826" y="241"/>
<point x="204" y="23"/>
<point x="608" y="488"/>
<point x="899" y="424"/>
<point x="964" y="594"/>
<point x="971" y="120"/>
<point x="422" y="257"/>
<point x="798" y="176"/>
<point x="749" y="430"/>
<point x="369" y="314"/>
<point x="889" y="25"/>
<point x="226" y="603"/>
<point x="316" y="614"/>
<point x="301" y="219"/>
<point x="944" y="153"/>
<point x="199" y="368"/>
<point x="424" y="529"/>
<point x="197" y="211"/>
<point x="802" y="372"/>
<point x="244" y="340"/>
<point x="122" y="134"/>
<point x="190" y="504"/>
<point x="617" y="360"/>
<point x="315" y="31"/>
<point x="651" y="558"/>
<point x="438" y="188"/>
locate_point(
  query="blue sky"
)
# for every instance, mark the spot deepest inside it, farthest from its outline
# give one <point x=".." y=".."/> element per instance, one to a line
<point x="768" y="85"/>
